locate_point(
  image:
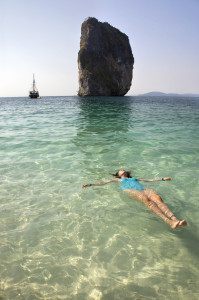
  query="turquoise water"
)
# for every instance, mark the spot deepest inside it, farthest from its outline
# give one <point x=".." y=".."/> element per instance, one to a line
<point x="59" y="241"/>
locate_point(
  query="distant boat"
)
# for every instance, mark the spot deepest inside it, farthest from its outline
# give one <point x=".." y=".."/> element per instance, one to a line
<point x="34" y="93"/>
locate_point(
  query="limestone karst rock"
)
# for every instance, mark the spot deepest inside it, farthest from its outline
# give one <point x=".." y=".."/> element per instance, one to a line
<point x="105" y="60"/>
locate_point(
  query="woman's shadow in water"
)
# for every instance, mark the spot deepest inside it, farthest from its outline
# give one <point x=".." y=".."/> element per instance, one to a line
<point x="190" y="240"/>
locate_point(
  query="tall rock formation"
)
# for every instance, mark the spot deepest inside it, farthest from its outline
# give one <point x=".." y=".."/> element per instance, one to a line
<point x="105" y="60"/>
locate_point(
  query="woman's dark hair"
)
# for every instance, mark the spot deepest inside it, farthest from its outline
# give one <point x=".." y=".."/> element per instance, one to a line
<point x="126" y="174"/>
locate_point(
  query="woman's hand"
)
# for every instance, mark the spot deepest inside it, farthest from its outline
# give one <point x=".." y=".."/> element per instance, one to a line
<point x="85" y="185"/>
<point x="167" y="178"/>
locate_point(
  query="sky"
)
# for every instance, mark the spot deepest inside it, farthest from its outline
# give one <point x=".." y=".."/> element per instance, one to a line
<point x="43" y="37"/>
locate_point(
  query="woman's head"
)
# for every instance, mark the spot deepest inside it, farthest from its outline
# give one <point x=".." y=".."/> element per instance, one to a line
<point x="122" y="173"/>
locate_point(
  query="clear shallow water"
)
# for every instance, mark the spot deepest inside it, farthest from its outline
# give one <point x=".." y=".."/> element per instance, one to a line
<point x="59" y="241"/>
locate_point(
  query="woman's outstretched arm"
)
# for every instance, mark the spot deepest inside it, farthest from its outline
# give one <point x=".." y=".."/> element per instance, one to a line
<point x="160" y="179"/>
<point x="100" y="183"/>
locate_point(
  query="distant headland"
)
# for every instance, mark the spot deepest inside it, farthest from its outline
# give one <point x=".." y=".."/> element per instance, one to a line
<point x="153" y="94"/>
<point x="105" y="60"/>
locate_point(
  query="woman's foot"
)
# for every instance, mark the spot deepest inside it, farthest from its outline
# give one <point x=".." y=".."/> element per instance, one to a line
<point x="175" y="224"/>
<point x="183" y="223"/>
<point x="178" y="223"/>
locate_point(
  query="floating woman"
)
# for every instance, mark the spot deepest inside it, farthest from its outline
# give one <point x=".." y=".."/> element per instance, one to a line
<point x="149" y="197"/>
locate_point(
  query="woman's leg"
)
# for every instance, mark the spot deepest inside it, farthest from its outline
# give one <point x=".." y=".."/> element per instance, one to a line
<point x="152" y="195"/>
<point x="141" y="196"/>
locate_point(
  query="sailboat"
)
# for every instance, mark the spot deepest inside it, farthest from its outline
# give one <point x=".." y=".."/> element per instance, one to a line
<point x="34" y="93"/>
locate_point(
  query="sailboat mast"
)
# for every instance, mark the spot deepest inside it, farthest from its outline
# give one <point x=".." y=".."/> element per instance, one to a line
<point x="33" y="82"/>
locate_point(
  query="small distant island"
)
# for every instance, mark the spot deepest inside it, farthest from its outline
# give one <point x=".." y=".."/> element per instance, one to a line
<point x="105" y="60"/>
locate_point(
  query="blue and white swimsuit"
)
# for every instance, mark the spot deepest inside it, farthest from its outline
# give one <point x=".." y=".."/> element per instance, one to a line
<point x="131" y="183"/>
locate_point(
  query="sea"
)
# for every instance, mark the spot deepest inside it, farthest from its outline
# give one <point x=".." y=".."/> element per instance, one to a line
<point x="61" y="241"/>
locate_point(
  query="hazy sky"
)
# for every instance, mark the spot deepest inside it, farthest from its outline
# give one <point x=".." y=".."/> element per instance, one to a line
<point x="43" y="37"/>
